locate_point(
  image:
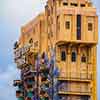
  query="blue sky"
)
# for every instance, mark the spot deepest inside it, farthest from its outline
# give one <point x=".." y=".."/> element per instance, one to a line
<point x="14" y="14"/>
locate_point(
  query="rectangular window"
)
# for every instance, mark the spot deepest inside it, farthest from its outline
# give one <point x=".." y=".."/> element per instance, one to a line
<point x="82" y="5"/>
<point x="89" y="26"/>
<point x="73" y="58"/>
<point x="63" y="55"/>
<point x="31" y="41"/>
<point x="67" y="24"/>
<point x="78" y="27"/>
<point x="74" y="4"/>
<point x="83" y="59"/>
<point x="84" y="98"/>
<point x="65" y="3"/>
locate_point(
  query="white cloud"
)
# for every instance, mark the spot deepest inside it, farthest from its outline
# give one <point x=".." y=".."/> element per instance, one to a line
<point x="7" y="91"/>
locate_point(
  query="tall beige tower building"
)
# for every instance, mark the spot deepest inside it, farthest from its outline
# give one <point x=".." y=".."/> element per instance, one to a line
<point x="71" y="27"/>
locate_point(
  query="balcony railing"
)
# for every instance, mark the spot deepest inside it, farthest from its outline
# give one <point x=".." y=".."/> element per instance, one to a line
<point x="76" y="76"/>
<point x="64" y="97"/>
<point x="74" y="93"/>
<point x="68" y="88"/>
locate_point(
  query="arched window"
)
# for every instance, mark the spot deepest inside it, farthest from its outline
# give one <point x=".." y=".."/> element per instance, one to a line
<point x="63" y="55"/>
<point x="31" y="41"/>
<point x="43" y="55"/>
<point x="83" y="58"/>
<point x="73" y="58"/>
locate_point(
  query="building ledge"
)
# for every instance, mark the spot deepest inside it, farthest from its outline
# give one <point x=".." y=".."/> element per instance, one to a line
<point x="75" y="42"/>
<point x="73" y="79"/>
<point x="74" y="93"/>
<point x="87" y="11"/>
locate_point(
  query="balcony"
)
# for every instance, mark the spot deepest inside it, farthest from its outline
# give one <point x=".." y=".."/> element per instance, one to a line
<point x="78" y="77"/>
<point x="70" y="35"/>
<point x="64" y="97"/>
<point x="75" y="93"/>
<point x="70" y="88"/>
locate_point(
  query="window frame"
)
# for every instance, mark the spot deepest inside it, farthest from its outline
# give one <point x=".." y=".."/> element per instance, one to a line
<point x="65" y="3"/>
<point x="58" y="24"/>
<point x="73" y="56"/>
<point x="67" y="25"/>
<point x="74" y="4"/>
<point x="90" y="26"/>
<point x="63" y="55"/>
<point x="83" y="58"/>
<point x="82" y="5"/>
<point x="30" y="40"/>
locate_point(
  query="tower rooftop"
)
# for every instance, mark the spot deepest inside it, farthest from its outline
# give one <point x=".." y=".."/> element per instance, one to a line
<point x="73" y="2"/>
<point x="89" y="1"/>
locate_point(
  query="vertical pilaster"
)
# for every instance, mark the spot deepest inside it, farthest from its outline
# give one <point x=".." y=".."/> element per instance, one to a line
<point x="94" y="73"/>
<point x="73" y="31"/>
<point x="78" y="62"/>
<point x="69" y="62"/>
<point x="61" y="26"/>
<point x="89" y="64"/>
<point x="96" y="28"/>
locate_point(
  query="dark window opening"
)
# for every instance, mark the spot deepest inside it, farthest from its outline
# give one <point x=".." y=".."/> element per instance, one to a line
<point x="28" y="98"/>
<point x="18" y="91"/>
<point x="67" y="24"/>
<point x="74" y="4"/>
<point x="78" y="27"/>
<point x="31" y="41"/>
<point x="65" y="3"/>
<point x="29" y="86"/>
<point x="16" y="45"/>
<point x="90" y="26"/>
<point x="43" y="55"/>
<point x="82" y="5"/>
<point x="83" y="59"/>
<point x="73" y="56"/>
<point x="85" y="98"/>
<point x="58" y="24"/>
<point x="63" y="55"/>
